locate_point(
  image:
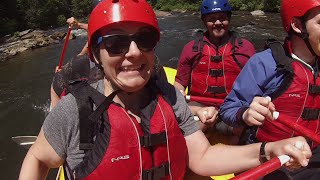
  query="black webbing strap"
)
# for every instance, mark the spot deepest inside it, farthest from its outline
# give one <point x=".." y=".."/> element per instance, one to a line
<point x="153" y="139"/>
<point x="283" y="66"/>
<point x="86" y="96"/>
<point x="106" y="101"/>
<point x="310" y="114"/>
<point x="216" y="59"/>
<point x="156" y="173"/>
<point x="313" y="89"/>
<point x="80" y="90"/>
<point x="216" y="89"/>
<point x="216" y="72"/>
<point x="233" y="37"/>
<point x="195" y="48"/>
<point x="279" y="54"/>
<point x="198" y="40"/>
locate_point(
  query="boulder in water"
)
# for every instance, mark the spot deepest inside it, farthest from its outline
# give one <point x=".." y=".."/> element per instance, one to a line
<point x="257" y="13"/>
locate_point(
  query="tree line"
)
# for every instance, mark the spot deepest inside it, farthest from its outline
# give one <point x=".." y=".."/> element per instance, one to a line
<point x="18" y="15"/>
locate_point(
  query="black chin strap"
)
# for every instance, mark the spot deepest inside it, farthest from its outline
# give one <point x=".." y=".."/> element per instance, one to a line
<point x="305" y="36"/>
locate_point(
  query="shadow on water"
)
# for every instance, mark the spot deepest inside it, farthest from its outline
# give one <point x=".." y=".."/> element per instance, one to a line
<point x="25" y="79"/>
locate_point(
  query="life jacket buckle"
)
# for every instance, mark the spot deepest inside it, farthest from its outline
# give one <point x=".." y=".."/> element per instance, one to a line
<point x="216" y="59"/>
<point x="153" y="139"/>
<point x="156" y="173"/>
<point x="216" y="72"/>
<point x="216" y="89"/>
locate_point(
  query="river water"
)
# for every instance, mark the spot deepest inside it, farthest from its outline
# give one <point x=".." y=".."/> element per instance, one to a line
<point x="25" y="79"/>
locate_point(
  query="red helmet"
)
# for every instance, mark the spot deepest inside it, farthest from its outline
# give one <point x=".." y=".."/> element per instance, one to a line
<point x="295" y="8"/>
<point x="109" y="12"/>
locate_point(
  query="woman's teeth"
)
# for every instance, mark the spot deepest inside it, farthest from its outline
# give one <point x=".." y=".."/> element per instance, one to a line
<point x="131" y="68"/>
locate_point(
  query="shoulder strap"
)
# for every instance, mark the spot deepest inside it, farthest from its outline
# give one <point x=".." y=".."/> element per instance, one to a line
<point x="198" y="38"/>
<point x="235" y="37"/>
<point x="283" y="66"/>
<point x="86" y="96"/>
<point x="198" y="47"/>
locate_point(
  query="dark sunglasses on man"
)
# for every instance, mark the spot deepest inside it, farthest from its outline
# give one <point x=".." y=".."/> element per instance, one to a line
<point x="119" y="43"/>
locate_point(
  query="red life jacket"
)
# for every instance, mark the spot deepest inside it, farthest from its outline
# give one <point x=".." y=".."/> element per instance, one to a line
<point x="216" y="68"/>
<point x="153" y="149"/>
<point x="299" y="102"/>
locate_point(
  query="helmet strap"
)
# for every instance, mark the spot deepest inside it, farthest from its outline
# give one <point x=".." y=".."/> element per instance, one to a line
<point x="304" y="35"/>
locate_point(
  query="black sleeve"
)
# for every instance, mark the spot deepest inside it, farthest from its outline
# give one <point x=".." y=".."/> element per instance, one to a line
<point x="58" y="83"/>
<point x="77" y="68"/>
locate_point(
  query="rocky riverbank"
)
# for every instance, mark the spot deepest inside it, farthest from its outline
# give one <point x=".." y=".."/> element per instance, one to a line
<point x="11" y="45"/>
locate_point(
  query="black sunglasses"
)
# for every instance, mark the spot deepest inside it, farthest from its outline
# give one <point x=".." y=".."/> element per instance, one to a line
<point x="120" y="43"/>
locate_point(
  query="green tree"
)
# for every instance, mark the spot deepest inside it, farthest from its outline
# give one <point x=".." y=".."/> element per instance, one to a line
<point x="54" y="9"/>
<point x="33" y="12"/>
<point x="272" y="5"/>
<point x="81" y="8"/>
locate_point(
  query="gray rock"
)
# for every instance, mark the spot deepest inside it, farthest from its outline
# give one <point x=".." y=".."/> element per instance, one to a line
<point x="162" y="13"/>
<point x="28" y="40"/>
<point x="257" y="13"/>
<point x="58" y="35"/>
<point x="22" y="33"/>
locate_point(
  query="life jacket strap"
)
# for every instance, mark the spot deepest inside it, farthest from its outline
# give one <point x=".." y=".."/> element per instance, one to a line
<point x="313" y="89"/>
<point x="156" y="173"/>
<point x="216" y="72"/>
<point x="216" y="89"/>
<point x="310" y="114"/>
<point x="216" y="59"/>
<point x="153" y="139"/>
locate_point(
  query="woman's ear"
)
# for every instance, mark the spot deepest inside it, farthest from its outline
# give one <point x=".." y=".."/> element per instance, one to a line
<point x="296" y="25"/>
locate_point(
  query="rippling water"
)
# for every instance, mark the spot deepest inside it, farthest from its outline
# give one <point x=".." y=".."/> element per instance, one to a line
<point x="25" y="80"/>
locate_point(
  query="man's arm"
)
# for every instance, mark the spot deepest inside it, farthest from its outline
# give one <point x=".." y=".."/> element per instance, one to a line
<point x="184" y="69"/>
<point x="73" y="22"/>
<point x="207" y="160"/>
<point x="181" y="88"/>
<point x="258" y="78"/>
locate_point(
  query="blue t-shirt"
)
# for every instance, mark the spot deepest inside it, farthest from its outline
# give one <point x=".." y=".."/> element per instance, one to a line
<point x="257" y="78"/>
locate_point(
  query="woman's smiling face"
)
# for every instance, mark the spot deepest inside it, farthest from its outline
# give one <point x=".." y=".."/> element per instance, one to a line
<point x="128" y="64"/>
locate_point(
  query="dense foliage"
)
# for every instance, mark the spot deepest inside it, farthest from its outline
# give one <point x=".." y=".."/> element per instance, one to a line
<point x="17" y="15"/>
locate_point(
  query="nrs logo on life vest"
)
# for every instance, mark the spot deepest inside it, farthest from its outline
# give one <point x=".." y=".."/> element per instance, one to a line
<point x="294" y="95"/>
<point x="216" y="9"/>
<point x="120" y="158"/>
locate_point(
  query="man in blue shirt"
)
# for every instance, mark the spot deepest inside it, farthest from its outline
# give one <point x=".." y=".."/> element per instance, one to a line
<point x="290" y="76"/>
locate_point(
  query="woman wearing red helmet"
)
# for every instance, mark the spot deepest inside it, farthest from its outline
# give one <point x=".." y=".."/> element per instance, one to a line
<point x="289" y="74"/>
<point x="133" y="124"/>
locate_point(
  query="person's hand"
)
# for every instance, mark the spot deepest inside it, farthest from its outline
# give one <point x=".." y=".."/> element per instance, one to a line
<point x="260" y="109"/>
<point x="57" y="69"/>
<point x="73" y="22"/>
<point x="297" y="148"/>
<point x="207" y="114"/>
<point x="182" y="92"/>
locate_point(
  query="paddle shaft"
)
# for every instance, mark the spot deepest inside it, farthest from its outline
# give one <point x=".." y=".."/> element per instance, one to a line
<point x="25" y="141"/>
<point x="264" y="169"/>
<point x="300" y="129"/>
<point x="206" y="100"/>
<point x="64" y="48"/>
